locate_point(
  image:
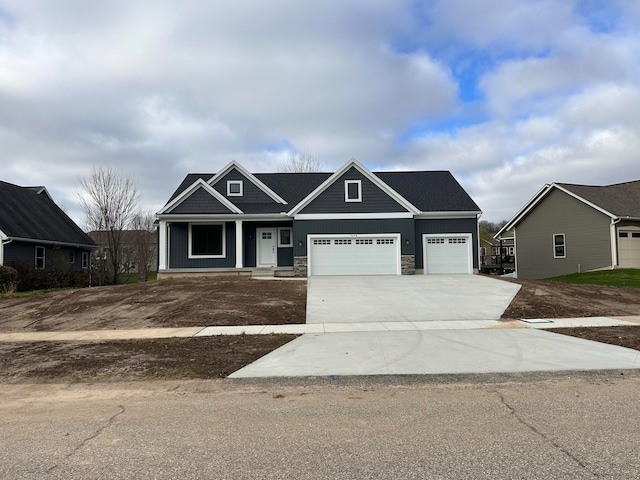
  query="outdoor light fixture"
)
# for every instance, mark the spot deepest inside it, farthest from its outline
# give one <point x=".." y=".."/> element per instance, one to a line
<point x="299" y="243"/>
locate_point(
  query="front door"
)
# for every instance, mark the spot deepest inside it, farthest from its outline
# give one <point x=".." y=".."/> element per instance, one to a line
<point x="267" y="243"/>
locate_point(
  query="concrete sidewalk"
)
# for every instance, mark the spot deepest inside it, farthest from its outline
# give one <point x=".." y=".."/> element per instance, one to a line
<point x="299" y="329"/>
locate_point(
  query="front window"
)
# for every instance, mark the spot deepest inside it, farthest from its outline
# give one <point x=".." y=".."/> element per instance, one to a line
<point x="352" y="191"/>
<point x="559" y="247"/>
<point x="234" y="188"/>
<point x="40" y="258"/>
<point x="284" y="237"/>
<point x="207" y="241"/>
<point x="85" y="260"/>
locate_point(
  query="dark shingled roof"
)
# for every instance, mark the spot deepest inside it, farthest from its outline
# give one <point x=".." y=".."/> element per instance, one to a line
<point x="432" y="191"/>
<point x="620" y="199"/>
<point x="25" y="213"/>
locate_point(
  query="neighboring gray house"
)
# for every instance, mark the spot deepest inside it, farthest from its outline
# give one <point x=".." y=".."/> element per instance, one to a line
<point x="36" y="232"/>
<point x="350" y="222"/>
<point x="569" y="228"/>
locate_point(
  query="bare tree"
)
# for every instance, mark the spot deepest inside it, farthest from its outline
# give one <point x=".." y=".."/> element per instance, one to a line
<point x="301" y="162"/>
<point x="109" y="201"/>
<point x="144" y="242"/>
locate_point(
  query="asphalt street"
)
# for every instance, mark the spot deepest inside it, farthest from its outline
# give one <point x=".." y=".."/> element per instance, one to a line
<point x="527" y="426"/>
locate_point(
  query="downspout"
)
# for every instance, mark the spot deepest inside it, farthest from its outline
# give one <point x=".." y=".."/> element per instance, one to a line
<point x="614" y="243"/>
<point x="2" y="244"/>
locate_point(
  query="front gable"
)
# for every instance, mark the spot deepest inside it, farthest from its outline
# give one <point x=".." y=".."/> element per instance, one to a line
<point x="252" y="190"/>
<point x="200" y="198"/>
<point x="354" y="190"/>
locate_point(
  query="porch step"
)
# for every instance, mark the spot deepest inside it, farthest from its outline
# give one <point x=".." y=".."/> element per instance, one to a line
<point x="263" y="272"/>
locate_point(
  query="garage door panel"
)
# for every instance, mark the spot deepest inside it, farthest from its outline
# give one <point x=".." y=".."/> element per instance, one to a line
<point x="447" y="254"/>
<point x="365" y="255"/>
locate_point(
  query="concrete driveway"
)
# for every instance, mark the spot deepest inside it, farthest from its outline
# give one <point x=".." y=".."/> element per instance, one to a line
<point x="407" y="298"/>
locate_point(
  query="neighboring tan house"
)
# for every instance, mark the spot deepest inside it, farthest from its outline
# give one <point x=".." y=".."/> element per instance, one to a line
<point x="351" y="222"/>
<point x="36" y="232"/>
<point x="569" y="228"/>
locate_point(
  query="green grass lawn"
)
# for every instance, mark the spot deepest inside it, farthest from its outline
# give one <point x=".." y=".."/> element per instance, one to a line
<point x="624" y="277"/>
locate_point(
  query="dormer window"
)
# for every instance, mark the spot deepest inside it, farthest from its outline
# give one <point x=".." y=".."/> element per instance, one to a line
<point x="352" y="190"/>
<point x="234" y="188"/>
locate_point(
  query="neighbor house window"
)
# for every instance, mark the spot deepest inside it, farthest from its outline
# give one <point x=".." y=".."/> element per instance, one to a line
<point x="40" y="258"/>
<point x="207" y="240"/>
<point x="284" y="237"/>
<point x="559" y="246"/>
<point x="85" y="260"/>
<point x="234" y="188"/>
<point x="72" y="257"/>
<point x="352" y="191"/>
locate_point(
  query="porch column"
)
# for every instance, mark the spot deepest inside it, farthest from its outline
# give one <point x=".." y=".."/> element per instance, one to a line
<point x="163" y="247"/>
<point x="239" y="243"/>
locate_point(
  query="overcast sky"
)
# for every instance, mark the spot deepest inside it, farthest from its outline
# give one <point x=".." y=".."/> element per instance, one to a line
<point x="506" y="94"/>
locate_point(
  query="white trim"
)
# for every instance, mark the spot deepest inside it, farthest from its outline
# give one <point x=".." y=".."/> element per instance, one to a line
<point x="538" y="197"/>
<point x="614" y="243"/>
<point x="564" y="245"/>
<point x="235" y="182"/>
<point x="224" y="240"/>
<point x="346" y="191"/>
<point x="239" y="244"/>
<point x="282" y="245"/>
<point x="249" y="176"/>
<point x="187" y="192"/>
<point x="350" y="216"/>
<point x="452" y="214"/>
<point x="259" y="231"/>
<point x="163" y="245"/>
<point x="397" y="236"/>
<point x="367" y="174"/>
<point x="469" y="242"/>
<point x="206" y="217"/>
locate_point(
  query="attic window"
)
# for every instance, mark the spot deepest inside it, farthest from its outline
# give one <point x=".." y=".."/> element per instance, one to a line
<point x="352" y="191"/>
<point x="234" y="188"/>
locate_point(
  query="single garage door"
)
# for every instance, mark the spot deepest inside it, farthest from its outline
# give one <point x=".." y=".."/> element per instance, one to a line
<point x="629" y="244"/>
<point x="447" y="254"/>
<point x="354" y="255"/>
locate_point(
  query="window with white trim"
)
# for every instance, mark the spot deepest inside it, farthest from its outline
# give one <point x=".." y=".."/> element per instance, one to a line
<point x="559" y="246"/>
<point x="207" y="240"/>
<point x="284" y="237"/>
<point x="234" y="188"/>
<point x="40" y="258"/>
<point x="85" y="260"/>
<point x="352" y="190"/>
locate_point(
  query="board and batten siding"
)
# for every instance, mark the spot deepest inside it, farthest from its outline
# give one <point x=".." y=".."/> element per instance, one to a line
<point x="444" y="226"/>
<point x="285" y="254"/>
<point x="587" y="238"/>
<point x="179" y="249"/>
<point x="403" y="226"/>
<point x="332" y="200"/>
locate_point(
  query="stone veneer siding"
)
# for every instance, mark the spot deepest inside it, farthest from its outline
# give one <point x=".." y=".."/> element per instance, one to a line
<point x="408" y="264"/>
<point x="300" y="266"/>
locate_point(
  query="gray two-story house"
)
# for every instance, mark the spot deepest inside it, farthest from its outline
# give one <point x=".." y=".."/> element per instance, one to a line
<point x="349" y="222"/>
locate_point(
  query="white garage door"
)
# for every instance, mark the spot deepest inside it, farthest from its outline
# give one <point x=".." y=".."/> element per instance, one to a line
<point x="447" y="253"/>
<point x="354" y="255"/>
<point x="629" y="244"/>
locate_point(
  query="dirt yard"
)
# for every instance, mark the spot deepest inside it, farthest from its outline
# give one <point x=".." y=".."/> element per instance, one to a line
<point x="225" y="301"/>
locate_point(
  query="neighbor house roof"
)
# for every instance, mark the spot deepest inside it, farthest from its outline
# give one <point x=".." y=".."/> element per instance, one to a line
<point x="620" y="200"/>
<point x="429" y="191"/>
<point x="30" y="213"/>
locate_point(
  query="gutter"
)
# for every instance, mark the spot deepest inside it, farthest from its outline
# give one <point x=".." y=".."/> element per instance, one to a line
<point x="51" y="242"/>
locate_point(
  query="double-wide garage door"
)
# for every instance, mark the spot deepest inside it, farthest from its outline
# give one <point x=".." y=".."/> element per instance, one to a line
<point x="354" y="255"/>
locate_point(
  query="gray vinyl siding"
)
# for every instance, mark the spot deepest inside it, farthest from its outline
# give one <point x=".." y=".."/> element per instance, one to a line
<point x="179" y="249"/>
<point x="403" y="226"/>
<point x="200" y="201"/>
<point x="374" y="200"/>
<point x="250" y="192"/>
<point x="55" y="258"/>
<point x="446" y="225"/>
<point x="587" y="238"/>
